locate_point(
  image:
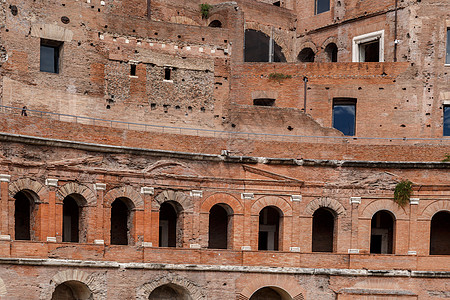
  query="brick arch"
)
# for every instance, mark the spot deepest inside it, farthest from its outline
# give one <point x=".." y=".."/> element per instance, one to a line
<point x="278" y="202"/>
<point x="76" y="188"/>
<point x="28" y="184"/>
<point x="332" y="204"/>
<point x="267" y="31"/>
<point x="226" y="198"/>
<point x="125" y="192"/>
<point x="95" y="283"/>
<point x="2" y="288"/>
<point x="194" y="290"/>
<point x="433" y="208"/>
<point x="329" y="40"/>
<point x="177" y="196"/>
<point x="388" y="205"/>
<point x="291" y="287"/>
<point x="307" y="44"/>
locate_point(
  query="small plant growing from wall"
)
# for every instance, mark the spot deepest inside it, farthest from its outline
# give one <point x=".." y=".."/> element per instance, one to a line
<point x="402" y="192"/>
<point x="205" y="8"/>
<point x="446" y="158"/>
<point x="279" y="76"/>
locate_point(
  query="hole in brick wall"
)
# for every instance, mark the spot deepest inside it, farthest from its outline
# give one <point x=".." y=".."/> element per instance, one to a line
<point x="14" y="10"/>
<point x="108" y="106"/>
<point x="182" y="79"/>
<point x="153" y="106"/>
<point x="79" y="43"/>
<point x="63" y="4"/>
<point x="327" y="88"/>
<point x="323" y="230"/>
<point x="203" y="39"/>
<point x="233" y="125"/>
<point x="136" y="51"/>
<point x="202" y="109"/>
<point x="156" y="33"/>
<point x="264" y="102"/>
<point x="177" y="107"/>
<point x="381" y="88"/>
<point x="106" y="26"/>
<point x="277" y="3"/>
<point x="225" y="41"/>
<point x="403" y="125"/>
<point x="395" y="107"/>
<point x="338" y="4"/>
<point x="189" y="108"/>
<point x="404" y="89"/>
<point x="179" y="36"/>
<point x="269" y="228"/>
<point x="166" y="108"/>
<point x="134" y="30"/>
<point x="98" y="9"/>
<point x="290" y="128"/>
<point x="92" y="6"/>
<point x="65" y="20"/>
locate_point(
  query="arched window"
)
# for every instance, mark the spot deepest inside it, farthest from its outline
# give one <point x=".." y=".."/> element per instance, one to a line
<point x="270" y="293"/>
<point x="306" y="55"/>
<point x="170" y="292"/>
<point x="261" y="48"/>
<point x="215" y="23"/>
<point x="382" y="233"/>
<point x="23" y="214"/>
<point x="170" y="224"/>
<point x="219" y="226"/>
<point x="440" y="234"/>
<point x="71" y="219"/>
<point x="331" y="50"/>
<point x="72" y="290"/>
<point x="323" y="231"/>
<point x="121" y="221"/>
<point x="269" y="228"/>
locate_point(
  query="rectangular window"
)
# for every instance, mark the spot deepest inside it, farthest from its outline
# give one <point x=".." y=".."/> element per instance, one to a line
<point x="447" y="53"/>
<point x="132" y="70"/>
<point x="50" y="55"/>
<point x="167" y="73"/>
<point x="447" y="120"/>
<point x="368" y="47"/>
<point x="344" y="115"/>
<point x="322" y="6"/>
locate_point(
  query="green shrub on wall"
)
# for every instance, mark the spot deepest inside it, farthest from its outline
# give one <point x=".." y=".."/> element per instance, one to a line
<point x="205" y="8"/>
<point x="402" y="192"/>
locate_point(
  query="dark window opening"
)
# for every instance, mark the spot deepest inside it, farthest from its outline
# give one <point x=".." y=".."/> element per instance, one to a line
<point x="264" y="102"/>
<point x="169" y="292"/>
<point x="219" y="221"/>
<point x="261" y="48"/>
<point x="447" y="120"/>
<point x="119" y="222"/>
<point x="322" y="6"/>
<point x="271" y="293"/>
<point x="22" y="216"/>
<point x="71" y="213"/>
<point x="167" y="73"/>
<point x="382" y="233"/>
<point x="447" y="52"/>
<point x="306" y="55"/>
<point x="369" y="52"/>
<point x="168" y="219"/>
<point x="71" y="290"/>
<point x="323" y="231"/>
<point x="215" y="23"/>
<point x="278" y="3"/>
<point x="269" y="228"/>
<point x="344" y="115"/>
<point x="132" y="70"/>
<point x="50" y="56"/>
<point x="440" y="234"/>
<point x="331" y="50"/>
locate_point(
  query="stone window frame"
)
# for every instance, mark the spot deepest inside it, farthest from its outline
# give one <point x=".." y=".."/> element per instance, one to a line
<point x="447" y="46"/>
<point x="366" y="38"/>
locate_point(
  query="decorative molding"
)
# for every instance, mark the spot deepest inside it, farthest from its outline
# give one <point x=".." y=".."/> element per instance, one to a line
<point x="51" y="239"/>
<point x="414" y="201"/>
<point x="5" y="237"/>
<point x="5" y="178"/>
<point x="353" y="251"/>
<point x="355" y="200"/>
<point x="99" y="242"/>
<point x="246" y="248"/>
<point x="51" y="182"/>
<point x="294" y="249"/>
<point x="196" y="193"/>
<point x="247" y="196"/>
<point x="296" y="198"/>
<point x="100" y="186"/>
<point x="147" y="190"/>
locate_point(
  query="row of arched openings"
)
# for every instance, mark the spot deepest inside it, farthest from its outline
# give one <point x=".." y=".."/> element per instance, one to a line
<point x="221" y="225"/>
<point x="76" y="290"/>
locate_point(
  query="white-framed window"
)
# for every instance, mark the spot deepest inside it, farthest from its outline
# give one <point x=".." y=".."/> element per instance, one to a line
<point x="447" y="49"/>
<point x="369" y="47"/>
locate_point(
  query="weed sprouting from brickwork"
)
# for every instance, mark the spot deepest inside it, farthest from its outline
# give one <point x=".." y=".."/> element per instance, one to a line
<point x="402" y="192"/>
<point x="446" y="158"/>
<point x="205" y="8"/>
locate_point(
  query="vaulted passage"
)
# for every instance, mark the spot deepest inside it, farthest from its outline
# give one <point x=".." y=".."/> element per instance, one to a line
<point x="382" y="233"/>
<point x="440" y="234"/>
<point x="72" y="290"/>
<point x="270" y="293"/>
<point x="306" y="55"/>
<point x="168" y="219"/>
<point x="120" y="222"/>
<point x="23" y="207"/>
<point x="219" y="224"/>
<point x="269" y="228"/>
<point x="259" y="47"/>
<point x="323" y="231"/>
<point x="71" y="214"/>
<point x="169" y="292"/>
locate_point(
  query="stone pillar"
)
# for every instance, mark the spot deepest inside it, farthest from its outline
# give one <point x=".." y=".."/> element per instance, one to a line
<point x="251" y="223"/>
<point x="100" y="232"/>
<point x="4" y="199"/>
<point x="147" y="193"/>
<point x="413" y="233"/>
<point x="51" y="220"/>
<point x="59" y="221"/>
<point x="354" y="215"/>
<point x="154" y="227"/>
